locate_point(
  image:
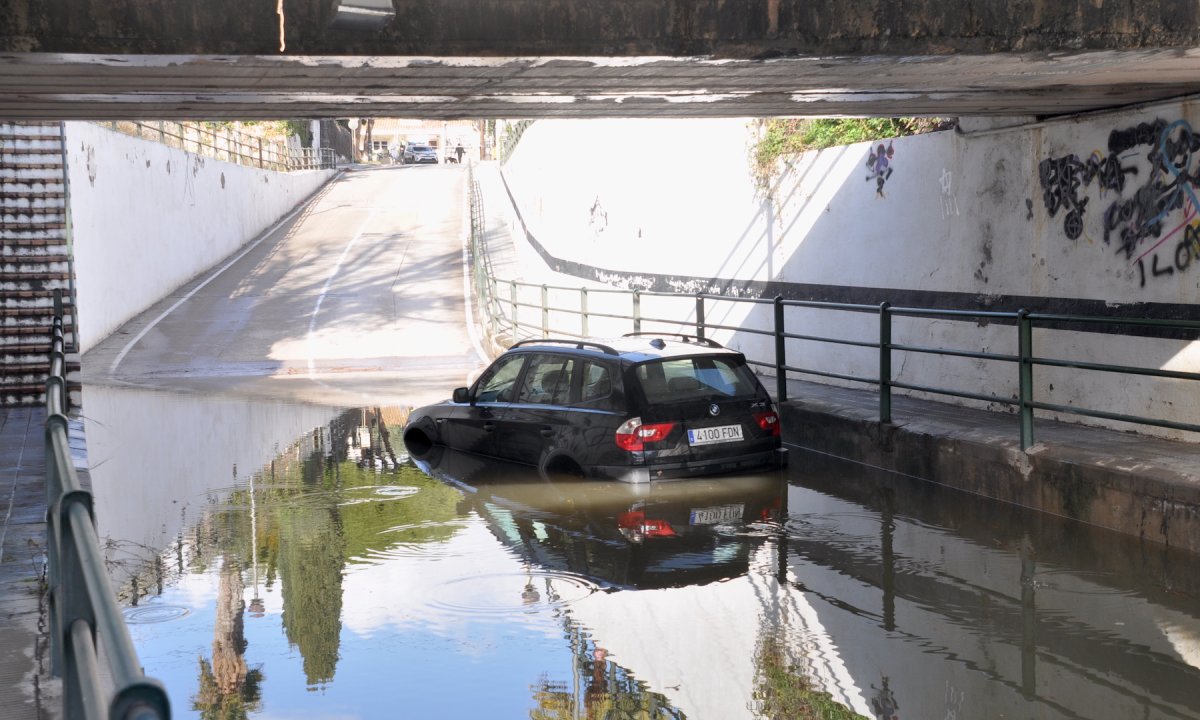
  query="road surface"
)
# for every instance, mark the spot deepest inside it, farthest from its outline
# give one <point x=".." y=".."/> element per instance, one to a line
<point x="358" y="299"/>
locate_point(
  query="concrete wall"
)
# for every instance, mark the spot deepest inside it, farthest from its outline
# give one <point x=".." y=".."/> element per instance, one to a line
<point x="727" y="28"/>
<point x="1075" y="216"/>
<point x="147" y="218"/>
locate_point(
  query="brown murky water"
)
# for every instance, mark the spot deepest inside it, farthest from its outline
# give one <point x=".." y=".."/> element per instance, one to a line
<point x="290" y="561"/>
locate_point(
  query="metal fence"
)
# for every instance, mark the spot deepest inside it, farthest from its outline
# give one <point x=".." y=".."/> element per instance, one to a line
<point x="514" y="310"/>
<point x="229" y="145"/>
<point x="89" y="639"/>
<point x="512" y="137"/>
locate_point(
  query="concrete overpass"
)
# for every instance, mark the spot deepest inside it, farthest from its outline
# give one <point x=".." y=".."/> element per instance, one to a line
<point x="107" y="59"/>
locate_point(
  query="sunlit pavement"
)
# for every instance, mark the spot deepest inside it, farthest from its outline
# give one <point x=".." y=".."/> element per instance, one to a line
<point x="358" y="296"/>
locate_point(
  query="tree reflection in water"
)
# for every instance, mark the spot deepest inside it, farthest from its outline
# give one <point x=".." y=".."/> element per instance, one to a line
<point x="228" y="689"/>
<point x="783" y="690"/>
<point x="609" y="691"/>
<point x="318" y="511"/>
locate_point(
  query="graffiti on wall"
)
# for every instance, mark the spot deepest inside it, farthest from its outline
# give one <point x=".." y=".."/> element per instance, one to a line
<point x="879" y="162"/>
<point x="1147" y="182"/>
<point x="949" y="201"/>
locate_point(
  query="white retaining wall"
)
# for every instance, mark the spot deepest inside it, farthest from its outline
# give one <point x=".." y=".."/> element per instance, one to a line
<point x="955" y="220"/>
<point x="146" y="218"/>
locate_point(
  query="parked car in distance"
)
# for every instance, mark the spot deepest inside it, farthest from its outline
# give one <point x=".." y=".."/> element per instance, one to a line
<point x="638" y="408"/>
<point x="419" y="154"/>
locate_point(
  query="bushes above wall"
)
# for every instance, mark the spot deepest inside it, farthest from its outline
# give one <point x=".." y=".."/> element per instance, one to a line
<point x="783" y="137"/>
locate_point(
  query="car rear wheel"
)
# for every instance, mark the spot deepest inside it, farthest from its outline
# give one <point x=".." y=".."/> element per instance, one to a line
<point x="561" y="467"/>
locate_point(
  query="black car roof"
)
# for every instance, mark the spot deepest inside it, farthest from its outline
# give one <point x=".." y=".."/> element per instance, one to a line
<point x="631" y="348"/>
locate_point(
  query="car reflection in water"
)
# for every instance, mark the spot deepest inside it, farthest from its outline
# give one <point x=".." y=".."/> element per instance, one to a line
<point x="657" y="535"/>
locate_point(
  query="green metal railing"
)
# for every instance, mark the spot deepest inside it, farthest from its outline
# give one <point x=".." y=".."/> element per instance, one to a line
<point x="84" y="616"/>
<point x="505" y="302"/>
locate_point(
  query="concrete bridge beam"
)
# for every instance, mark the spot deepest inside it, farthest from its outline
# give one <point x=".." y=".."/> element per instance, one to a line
<point x="741" y="29"/>
<point x="103" y="59"/>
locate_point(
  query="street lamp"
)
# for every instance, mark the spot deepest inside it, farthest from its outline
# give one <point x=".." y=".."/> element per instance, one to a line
<point x="362" y="14"/>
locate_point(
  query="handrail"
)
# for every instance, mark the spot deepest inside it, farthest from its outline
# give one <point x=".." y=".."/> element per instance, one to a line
<point x="504" y="315"/>
<point x="82" y="606"/>
<point x="229" y="146"/>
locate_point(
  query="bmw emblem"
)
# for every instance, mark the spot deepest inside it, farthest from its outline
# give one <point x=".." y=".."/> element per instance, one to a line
<point x="714" y="410"/>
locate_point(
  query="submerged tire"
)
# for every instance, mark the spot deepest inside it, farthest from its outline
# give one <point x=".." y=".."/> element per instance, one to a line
<point x="418" y="443"/>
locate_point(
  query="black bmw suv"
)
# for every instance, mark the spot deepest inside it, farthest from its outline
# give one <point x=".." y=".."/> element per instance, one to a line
<point x="637" y="408"/>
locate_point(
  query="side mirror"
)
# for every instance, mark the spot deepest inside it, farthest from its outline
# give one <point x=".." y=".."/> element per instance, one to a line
<point x="462" y="395"/>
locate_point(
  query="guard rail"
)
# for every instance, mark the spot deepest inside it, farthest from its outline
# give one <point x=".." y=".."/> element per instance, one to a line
<point x="89" y="640"/>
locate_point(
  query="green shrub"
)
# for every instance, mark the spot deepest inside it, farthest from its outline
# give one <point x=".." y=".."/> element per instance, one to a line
<point x="786" y="137"/>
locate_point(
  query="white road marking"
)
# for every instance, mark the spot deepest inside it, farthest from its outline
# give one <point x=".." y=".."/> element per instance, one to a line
<point x="312" y="319"/>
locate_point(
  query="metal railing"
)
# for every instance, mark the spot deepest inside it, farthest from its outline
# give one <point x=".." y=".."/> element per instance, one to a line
<point x="521" y="310"/>
<point x="229" y="145"/>
<point x="84" y="617"/>
<point x="512" y="137"/>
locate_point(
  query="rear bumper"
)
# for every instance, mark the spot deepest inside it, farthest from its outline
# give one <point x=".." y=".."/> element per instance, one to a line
<point x="776" y="458"/>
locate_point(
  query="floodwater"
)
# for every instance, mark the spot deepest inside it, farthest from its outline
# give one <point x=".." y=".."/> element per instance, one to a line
<point x="290" y="561"/>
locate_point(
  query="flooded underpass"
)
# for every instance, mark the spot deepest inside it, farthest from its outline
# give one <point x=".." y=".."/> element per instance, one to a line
<point x="285" y="560"/>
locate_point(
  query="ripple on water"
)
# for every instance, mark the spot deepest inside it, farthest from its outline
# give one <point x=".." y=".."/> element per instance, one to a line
<point x="149" y="614"/>
<point x="749" y="530"/>
<point x="802" y="523"/>
<point x="1075" y="582"/>
<point x="429" y="546"/>
<point x="514" y="592"/>
<point x="378" y="493"/>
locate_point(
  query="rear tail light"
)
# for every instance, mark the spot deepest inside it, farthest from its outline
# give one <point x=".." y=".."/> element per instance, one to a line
<point x="768" y="421"/>
<point x="633" y="435"/>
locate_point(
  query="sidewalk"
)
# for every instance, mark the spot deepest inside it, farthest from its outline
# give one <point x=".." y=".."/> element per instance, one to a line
<point x="26" y="690"/>
<point x="1136" y="485"/>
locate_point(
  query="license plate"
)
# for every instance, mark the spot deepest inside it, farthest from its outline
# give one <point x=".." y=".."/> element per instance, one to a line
<point x="717" y="515"/>
<point x="714" y="435"/>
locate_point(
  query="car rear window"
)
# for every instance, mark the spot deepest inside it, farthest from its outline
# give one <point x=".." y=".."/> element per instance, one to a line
<point x="695" y="378"/>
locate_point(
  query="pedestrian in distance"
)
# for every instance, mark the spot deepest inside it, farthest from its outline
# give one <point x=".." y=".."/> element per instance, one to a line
<point x="459" y="152"/>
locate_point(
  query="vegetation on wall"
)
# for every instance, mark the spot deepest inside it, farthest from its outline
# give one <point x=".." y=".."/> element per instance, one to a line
<point x="279" y="130"/>
<point x="780" y="138"/>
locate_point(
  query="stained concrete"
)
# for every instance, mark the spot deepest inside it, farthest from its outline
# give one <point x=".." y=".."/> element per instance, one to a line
<point x="35" y="85"/>
<point x="751" y="29"/>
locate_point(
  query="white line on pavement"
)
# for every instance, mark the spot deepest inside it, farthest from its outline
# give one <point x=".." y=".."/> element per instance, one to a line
<point x="112" y="369"/>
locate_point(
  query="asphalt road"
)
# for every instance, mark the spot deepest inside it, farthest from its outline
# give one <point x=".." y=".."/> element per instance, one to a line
<point x="359" y="299"/>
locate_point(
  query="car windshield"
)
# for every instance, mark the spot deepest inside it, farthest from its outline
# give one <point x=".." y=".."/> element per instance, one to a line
<point x="423" y="148"/>
<point x="697" y="378"/>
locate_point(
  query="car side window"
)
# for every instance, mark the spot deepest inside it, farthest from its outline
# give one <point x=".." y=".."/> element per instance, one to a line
<point x="548" y="381"/>
<point x="597" y="383"/>
<point x="496" y="384"/>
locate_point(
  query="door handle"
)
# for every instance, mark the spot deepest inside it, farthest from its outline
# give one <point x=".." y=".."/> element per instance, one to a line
<point x="547" y="432"/>
<point x="488" y="427"/>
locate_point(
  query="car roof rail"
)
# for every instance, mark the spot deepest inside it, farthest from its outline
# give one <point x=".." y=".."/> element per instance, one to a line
<point x="579" y="344"/>
<point x="692" y="339"/>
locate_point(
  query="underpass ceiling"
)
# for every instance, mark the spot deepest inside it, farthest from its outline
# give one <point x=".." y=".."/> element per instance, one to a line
<point x="450" y="59"/>
<point x="99" y="87"/>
